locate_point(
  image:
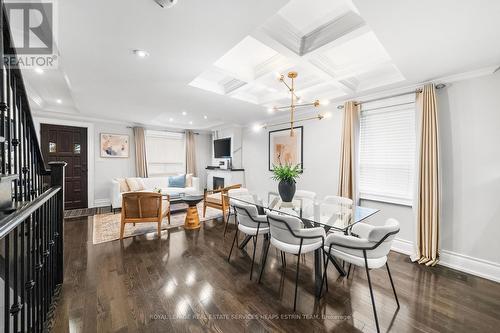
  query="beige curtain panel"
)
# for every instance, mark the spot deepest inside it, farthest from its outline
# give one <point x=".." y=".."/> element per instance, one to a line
<point x="190" y="153"/>
<point x="141" y="164"/>
<point x="427" y="179"/>
<point x="348" y="156"/>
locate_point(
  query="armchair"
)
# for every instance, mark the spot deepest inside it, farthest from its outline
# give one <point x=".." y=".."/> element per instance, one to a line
<point x="218" y="199"/>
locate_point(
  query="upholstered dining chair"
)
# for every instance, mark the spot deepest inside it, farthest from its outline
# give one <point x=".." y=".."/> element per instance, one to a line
<point x="143" y="207"/>
<point x="250" y="223"/>
<point x="338" y="208"/>
<point x="307" y="199"/>
<point x="367" y="246"/>
<point x="218" y="199"/>
<point x="289" y="236"/>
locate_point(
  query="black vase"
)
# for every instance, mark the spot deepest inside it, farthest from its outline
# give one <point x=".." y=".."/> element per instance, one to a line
<point x="286" y="190"/>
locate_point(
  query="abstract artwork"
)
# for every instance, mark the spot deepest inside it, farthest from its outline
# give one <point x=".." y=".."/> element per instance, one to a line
<point x="114" y="145"/>
<point x="286" y="149"/>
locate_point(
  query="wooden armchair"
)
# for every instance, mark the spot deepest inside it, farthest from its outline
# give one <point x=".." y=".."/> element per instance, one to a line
<point x="218" y="199"/>
<point x="144" y="207"/>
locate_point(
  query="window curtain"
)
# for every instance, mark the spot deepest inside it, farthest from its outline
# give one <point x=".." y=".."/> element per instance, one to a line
<point x="190" y="153"/>
<point x="427" y="187"/>
<point x="141" y="164"/>
<point x="348" y="176"/>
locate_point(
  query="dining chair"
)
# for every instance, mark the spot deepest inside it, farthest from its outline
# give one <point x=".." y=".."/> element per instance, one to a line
<point x="143" y="207"/>
<point x="250" y="223"/>
<point x="307" y="199"/>
<point x="218" y="199"/>
<point x="336" y="208"/>
<point x="366" y="246"/>
<point x="289" y="236"/>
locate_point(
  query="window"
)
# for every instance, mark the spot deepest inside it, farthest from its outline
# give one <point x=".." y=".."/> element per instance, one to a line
<point x="165" y="153"/>
<point x="387" y="150"/>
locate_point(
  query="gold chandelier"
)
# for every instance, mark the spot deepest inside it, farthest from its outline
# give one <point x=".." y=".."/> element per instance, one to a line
<point x="293" y="103"/>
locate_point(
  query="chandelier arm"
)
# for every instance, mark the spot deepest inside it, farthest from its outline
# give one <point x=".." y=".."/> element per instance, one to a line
<point x="319" y="117"/>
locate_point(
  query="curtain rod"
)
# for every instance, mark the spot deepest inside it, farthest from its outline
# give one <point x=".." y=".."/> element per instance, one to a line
<point x="163" y="130"/>
<point x="438" y="86"/>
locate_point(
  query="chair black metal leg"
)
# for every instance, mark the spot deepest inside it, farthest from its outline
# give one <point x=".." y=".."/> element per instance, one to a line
<point x="296" y="282"/>
<point x="234" y="240"/>
<point x="371" y="291"/>
<point x="349" y="271"/>
<point x="284" y="259"/>
<point x="253" y="255"/>
<point x="392" y="283"/>
<point x="324" y="277"/>
<point x="265" y="259"/>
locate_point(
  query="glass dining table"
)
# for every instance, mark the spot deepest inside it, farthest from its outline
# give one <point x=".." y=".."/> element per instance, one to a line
<point x="334" y="214"/>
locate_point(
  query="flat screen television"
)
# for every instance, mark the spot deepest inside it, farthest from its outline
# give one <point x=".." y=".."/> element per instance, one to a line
<point x="222" y="148"/>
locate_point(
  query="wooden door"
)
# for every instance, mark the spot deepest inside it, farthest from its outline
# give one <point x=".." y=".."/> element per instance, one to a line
<point x="68" y="144"/>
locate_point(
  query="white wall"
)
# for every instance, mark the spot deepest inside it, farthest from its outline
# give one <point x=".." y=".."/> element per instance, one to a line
<point x="203" y="143"/>
<point x="469" y="125"/>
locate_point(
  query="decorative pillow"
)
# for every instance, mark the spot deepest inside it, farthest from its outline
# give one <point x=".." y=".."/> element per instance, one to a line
<point x="189" y="180"/>
<point x="123" y="184"/>
<point x="177" y="181"/>
<point x="135" y="184"/>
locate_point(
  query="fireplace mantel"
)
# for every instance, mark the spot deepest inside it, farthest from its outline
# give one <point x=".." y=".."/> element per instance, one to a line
<point x="231" y="176"/>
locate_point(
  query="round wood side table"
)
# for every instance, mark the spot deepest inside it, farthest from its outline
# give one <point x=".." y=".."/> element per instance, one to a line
<point x="192" y="218"/>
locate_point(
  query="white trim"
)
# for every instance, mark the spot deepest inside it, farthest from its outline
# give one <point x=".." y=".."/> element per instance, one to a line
<point x="402" y="246"/>
<point x="480" y="267"/>
<point x="102" y="202"/>
<point x="461" y="262"/>
<point x="90" y="148"/>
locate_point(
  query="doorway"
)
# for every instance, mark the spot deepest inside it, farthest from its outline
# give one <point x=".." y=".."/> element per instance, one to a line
<point x="68" y="144"/>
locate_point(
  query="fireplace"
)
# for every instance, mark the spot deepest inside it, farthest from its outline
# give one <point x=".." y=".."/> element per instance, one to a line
<point x="218" y="182"/>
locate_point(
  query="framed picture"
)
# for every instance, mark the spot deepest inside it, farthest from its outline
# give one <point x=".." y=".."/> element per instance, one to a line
<point x="114" y="145"/>
<point x="286" y="149"/>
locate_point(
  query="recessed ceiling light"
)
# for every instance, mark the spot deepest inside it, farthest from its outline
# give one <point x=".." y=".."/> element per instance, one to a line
<point x="39" y="70"/>
<point x="324" y="102"/>
<point x="205" y="117"/>
<point x="59" y="101"/>
<point x="257" y="127"/>
<point x="270" y="110"/>
<point x="171" y="119"/>
<point x="190" y="123"/>
<point x="141" y="53"/>
<point x="184" y="113"/>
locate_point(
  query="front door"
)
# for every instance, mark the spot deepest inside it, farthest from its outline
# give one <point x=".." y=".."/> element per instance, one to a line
<point x="68" y="144"/>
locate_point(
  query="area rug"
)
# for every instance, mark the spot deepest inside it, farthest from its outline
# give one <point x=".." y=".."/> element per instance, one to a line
<point x="107" y="226"/>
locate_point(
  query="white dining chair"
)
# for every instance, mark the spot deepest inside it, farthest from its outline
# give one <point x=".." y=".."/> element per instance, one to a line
<point x="306" y="199"/>
<point x="289" y="236"/>
<point x="250" y="223"/>
<point x="336" y="210"/>
<point x="367" y="246"/>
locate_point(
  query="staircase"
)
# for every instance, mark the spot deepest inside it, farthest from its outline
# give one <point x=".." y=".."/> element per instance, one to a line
<point x="31" y="208"/>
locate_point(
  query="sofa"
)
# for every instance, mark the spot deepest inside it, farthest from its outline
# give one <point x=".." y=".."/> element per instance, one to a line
<point x="119" y="186"/>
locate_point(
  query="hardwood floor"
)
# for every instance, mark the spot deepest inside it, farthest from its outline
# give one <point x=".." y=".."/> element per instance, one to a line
<point x="183" y="283"/>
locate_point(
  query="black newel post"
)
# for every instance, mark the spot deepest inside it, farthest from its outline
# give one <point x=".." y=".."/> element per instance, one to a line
<point x="57" y="179"/>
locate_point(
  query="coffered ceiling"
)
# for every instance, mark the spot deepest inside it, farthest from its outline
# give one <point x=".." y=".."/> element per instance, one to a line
<point x="216" y="62"/>
<point x="325" y="41"/>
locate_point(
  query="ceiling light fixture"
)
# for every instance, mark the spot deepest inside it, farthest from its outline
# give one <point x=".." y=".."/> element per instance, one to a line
<point x="39" y="70"/>
<point x="184" y="113"/>
<point x="59" y="101"/>
<point x="205" y="117"/>
<point x="141" y="53"/>
<point x="171" y="119"/>
<point x="190" y="122"/>
<point x="293" y="103"/>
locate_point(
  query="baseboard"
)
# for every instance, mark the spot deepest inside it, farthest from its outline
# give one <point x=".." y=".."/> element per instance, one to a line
<point x="483" y="268"/>
<point x="402" y="246"/>
<point x="102" y="203"/>
<point x="475" y="266"/>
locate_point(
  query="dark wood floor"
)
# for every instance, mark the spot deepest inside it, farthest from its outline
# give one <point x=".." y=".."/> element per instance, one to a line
<point x="184" y="283"/>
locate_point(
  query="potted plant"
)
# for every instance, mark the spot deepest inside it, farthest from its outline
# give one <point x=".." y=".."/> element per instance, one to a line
<point x="286" y="175"/>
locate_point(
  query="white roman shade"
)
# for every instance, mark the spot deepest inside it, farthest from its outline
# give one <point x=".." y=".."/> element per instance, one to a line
<point x="166" y="152"/>
<point x="387" y="150"/>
